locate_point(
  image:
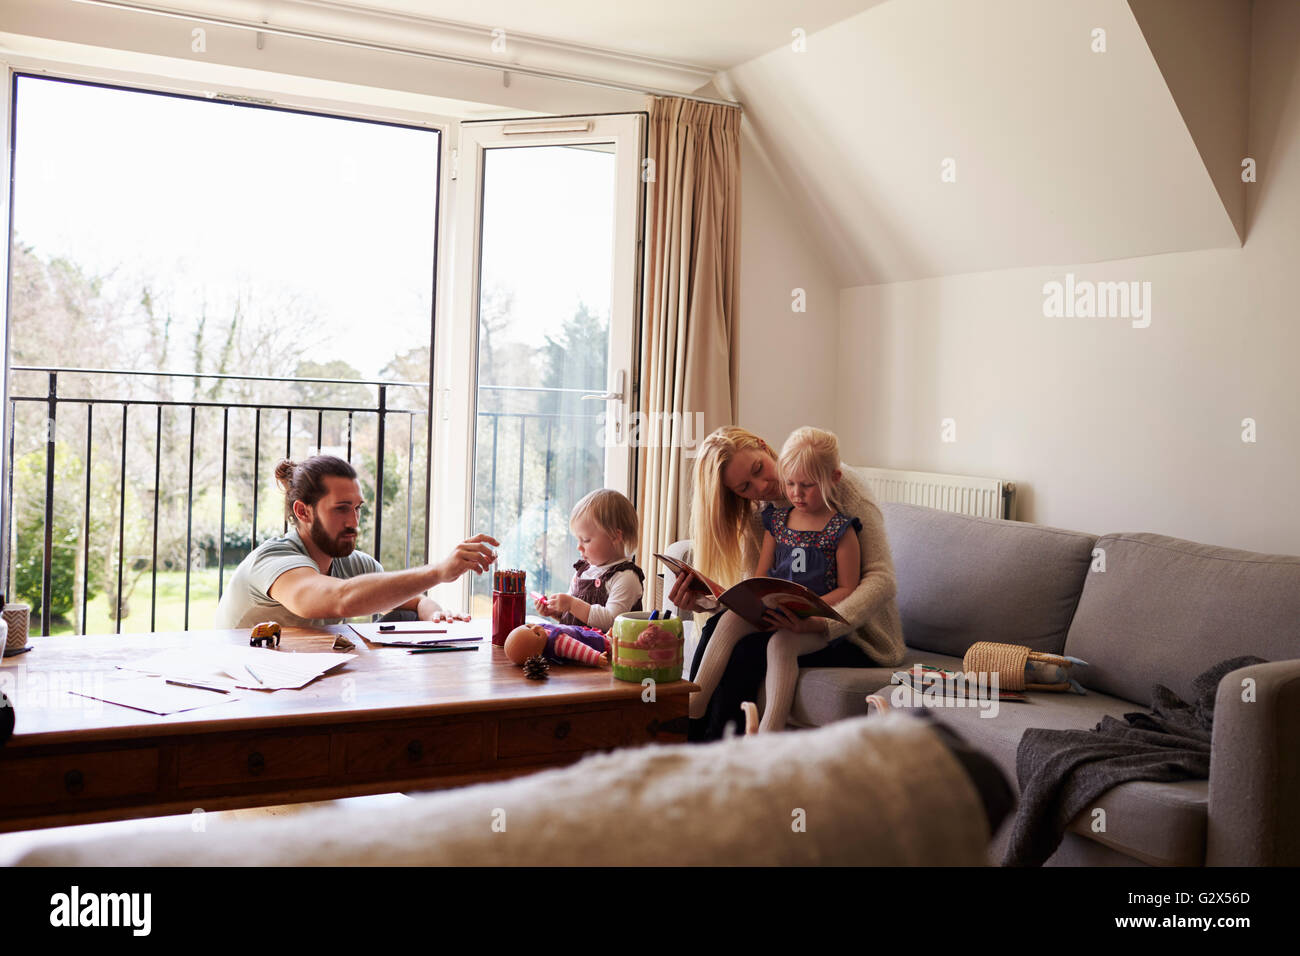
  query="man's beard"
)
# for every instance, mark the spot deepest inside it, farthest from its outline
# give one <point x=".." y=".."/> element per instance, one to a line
<point x="339" y="547"/>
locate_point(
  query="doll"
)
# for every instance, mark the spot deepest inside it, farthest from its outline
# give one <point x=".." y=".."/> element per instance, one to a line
<point x="558" y="643"/>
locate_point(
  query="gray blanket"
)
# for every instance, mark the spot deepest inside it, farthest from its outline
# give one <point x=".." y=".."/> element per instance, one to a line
<point x="1061" y="772"/>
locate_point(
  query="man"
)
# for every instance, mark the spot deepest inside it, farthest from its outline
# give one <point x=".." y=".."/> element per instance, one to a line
<point x="313" y="575"/>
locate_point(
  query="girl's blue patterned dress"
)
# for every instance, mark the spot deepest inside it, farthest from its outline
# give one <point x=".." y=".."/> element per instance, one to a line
<point x="807" y="557"/>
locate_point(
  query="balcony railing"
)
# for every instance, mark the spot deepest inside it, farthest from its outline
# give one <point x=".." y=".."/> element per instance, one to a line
<point x="262" y="412"/>
<point x="551" y="442"/>
<point x="556" y="440"/>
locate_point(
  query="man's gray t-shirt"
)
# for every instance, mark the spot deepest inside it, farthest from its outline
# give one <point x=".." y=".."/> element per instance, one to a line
<point x="247" y="600"/>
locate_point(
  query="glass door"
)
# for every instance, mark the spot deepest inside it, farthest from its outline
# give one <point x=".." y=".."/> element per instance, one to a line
<point x="545" y="293"/>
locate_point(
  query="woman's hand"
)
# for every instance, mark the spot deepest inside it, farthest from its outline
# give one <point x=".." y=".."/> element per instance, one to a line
<point x="692" y="592"/>
<point x="781" y="619"/>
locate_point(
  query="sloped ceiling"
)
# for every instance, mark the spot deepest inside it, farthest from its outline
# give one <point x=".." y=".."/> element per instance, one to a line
<point x="713" y="33"/>
<point x="1203" y="50"/>
<point x="1061" y="154"/>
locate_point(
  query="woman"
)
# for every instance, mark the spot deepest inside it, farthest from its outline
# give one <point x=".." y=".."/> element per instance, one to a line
<point x="735" y="474"/>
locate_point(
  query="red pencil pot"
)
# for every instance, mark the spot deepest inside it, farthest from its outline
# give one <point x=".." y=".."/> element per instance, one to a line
<point x="507" y="614"/>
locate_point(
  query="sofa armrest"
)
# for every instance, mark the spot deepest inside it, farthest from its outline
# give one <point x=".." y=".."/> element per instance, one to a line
<point x="1255" y="769"/>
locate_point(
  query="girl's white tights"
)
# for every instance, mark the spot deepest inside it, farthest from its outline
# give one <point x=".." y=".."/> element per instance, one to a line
<point x="783" y="652"/>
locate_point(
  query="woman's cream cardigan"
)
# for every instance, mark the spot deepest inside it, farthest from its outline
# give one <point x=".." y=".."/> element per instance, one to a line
<point x="871" y="609"/>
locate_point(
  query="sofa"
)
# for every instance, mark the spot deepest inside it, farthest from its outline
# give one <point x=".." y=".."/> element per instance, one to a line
<point x="1141" y="609"/>
<point x="893" y="791"/>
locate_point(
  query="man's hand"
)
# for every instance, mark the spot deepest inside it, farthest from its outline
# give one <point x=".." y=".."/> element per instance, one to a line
<point x="472" y="554"/>
<point x="448" y="616"/>
<point x="781" y="619"/>
<point x="430" y="610"/>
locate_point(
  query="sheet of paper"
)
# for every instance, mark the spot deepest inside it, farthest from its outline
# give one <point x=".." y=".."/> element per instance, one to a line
<point x="228" y="666"/>
<point x="191" y="665"/>
<point x="409" y="631"/>
<point x="264" y="669"/>
<point x="154" y="695"/>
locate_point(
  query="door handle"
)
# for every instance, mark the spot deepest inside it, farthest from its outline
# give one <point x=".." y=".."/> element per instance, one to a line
<point x="614" y="396"/>
<point x="609" y="396"/>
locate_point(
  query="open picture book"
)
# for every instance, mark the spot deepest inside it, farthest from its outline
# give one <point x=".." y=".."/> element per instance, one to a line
<point x="751" y="597"/>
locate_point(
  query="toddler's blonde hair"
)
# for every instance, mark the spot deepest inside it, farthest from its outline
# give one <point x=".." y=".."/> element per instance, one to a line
<point x="612" y="513"/>
<point x="813" y="454"/>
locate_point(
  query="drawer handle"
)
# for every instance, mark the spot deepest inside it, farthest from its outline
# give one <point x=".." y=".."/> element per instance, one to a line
<point x="561" y="730"/>
<point x="415" y="750"/>
<point x="74" y="781"/>
<point x="256" y="762"/>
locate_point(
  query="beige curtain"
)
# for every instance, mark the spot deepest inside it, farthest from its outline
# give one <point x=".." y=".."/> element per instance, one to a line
<point x="688" y="321"/>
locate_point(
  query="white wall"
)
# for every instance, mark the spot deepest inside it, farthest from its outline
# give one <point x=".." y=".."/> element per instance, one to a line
<point x="787" y="359"/>
<point x="1109" y="427"/>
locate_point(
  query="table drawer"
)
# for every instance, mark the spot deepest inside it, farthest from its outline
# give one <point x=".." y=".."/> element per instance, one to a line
<point x="223" y="760"/>
<point x="388" y="751"/>
<point x="96" y="776"/>
<point x="592" y="730"/>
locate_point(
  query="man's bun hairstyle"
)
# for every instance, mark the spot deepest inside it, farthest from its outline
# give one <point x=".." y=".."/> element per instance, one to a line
<point x="305" y="480"/>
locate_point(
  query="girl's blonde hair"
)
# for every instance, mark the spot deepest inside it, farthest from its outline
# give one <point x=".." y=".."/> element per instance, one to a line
<point x="612" y="513"/>
<point x="812" y="454"/>
<point x="718" y="515"/>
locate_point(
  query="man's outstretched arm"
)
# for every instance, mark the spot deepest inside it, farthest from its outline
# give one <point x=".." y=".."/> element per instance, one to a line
<point x="308" y="593"/>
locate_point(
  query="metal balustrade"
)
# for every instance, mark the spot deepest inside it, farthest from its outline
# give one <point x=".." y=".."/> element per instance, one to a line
<point x="54" y="401"/>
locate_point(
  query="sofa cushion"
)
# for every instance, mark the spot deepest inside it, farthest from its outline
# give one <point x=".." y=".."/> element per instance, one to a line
<point x="1165" y="610"/>
<point x="963" y="579"/>
<point x="826" y="694"/>
<point x="1163" y="824"/>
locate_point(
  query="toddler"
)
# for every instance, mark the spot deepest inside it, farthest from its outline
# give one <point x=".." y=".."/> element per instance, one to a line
<point x="606" y="582"/>
<point x="808" y="543"/>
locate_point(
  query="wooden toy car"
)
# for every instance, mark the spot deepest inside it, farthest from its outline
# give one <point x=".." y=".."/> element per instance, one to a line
<point x="266" y="634"/>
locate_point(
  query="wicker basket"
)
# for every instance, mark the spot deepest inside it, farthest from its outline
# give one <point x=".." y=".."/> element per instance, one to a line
<point x="1008" y="662"/>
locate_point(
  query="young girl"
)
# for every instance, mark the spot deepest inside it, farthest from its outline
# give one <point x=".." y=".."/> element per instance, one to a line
<point x="807" y="542"/>
<point x="605" y="582"/>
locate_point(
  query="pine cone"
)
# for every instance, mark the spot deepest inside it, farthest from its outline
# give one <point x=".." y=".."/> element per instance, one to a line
<point x="536" y="667"/>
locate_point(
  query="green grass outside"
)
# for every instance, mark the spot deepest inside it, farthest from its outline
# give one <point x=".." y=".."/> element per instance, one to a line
<point x="170" y="609"/>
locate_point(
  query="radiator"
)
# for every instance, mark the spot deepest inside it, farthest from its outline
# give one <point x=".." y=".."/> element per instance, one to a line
<point x="983" y="497"/>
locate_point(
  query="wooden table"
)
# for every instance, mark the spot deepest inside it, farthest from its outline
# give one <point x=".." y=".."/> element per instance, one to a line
<point x="385" y="721"/>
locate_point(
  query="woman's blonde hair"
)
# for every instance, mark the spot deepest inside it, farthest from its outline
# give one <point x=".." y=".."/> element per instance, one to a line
<point x="718" y="514"/>
<point x="812" y="454"/>
<point x="612" y="513"/>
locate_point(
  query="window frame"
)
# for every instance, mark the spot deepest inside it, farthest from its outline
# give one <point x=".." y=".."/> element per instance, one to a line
<point x="12" y="67"/>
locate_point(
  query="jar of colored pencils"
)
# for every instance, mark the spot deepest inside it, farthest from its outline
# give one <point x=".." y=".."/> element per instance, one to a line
<point x="509" y="593"/>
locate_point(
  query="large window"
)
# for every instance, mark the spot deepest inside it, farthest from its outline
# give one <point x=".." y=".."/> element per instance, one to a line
<point x="288" y="258"/>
